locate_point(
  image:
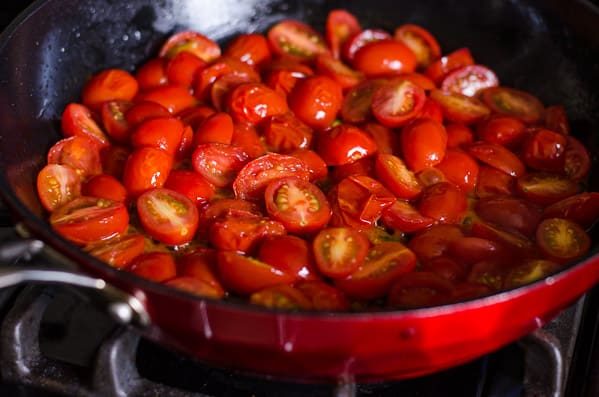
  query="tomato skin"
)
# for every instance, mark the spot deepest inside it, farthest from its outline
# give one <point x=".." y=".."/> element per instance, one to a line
<point x="79" y="152"/>
<point x="460" y="169"/>
<point x="282" y="297"/>
<point x="511" y="213"/>
<point x="499" y="157"/>
<point x="104" y="186"/>
<point x="345" y="76"/>
<point x="384" y="58"/>
<point x="514" y="241"/>
<point x="502" y="130"/>
<point x="162" y="133"/>
<point x="395" y="175"/>
<point x="151" y="74"/>
<point x="385" y="138"/>
<point x="529" y="271"/>
<point x="244" y="275"/>
<point x="113" y="159"/>
<point x="190" y="41"/>
<point x="218" y="163"/>
<point x="458" y="108"/>
<point x="316" y="100"/>
<point x="298" y="204"/>
<point x="452" y="61"/>
<point x="512" y="102"/>
<point x="339" y="251"/>
<point x="243" y="234"/>
<point x="218" y="127"/>
<point x="385" y="263"/>
<point x="447" y="267"/>
<point x="323" y="296"/>
<point x="108" y="85"/>
<point x="78" y="120"/>
<point x="221" y="67"/>
<point x="582" y="208"/>
<point x="444" y="202"/>
<point x="200" y="264"/>
<point x="196" y="287"/>
<point x="223" y="85"/>
<point x="250" y="48"/>
<point x="562" y="240"/>
<point x="246" y="137"/>
<point x="420" y="41"/>
<point x="545" y="189"/>
<point x="418" y="289"/>
<point x="86" y="220"/>
<point x="556" y="119"/>
<point x="182" y="68"/>
<point x="316" y="166"/>
<point x="146" y="168"/>
<point x="340" y="26"/>
<point x="493" y="182"/>
<point x="577" y="159"/>
<point x="119" y="251"/>
<point x="175" y="98"/>
<point x="458" y="135"/>
<point x="363" y="199"/>
<point x="168" y="216"/>
<point x="545" y="151"/>
<point x="57" y="185"/>
<point x="397" y="102"/>
<point x="402" y="216"/>
<point x="142" y="111"/>
<point x="285" y="133"/>
<point x="191" y="184"/>
<point x="225" y="208"/>
<point x="290" y="254"/>
<point x="470" y="250"/>
<point x="254" y="102"/>
<point x="491" y="273"/>
<point x="434" y="241"/>
<point x="344" y="144"/>
<point x="296" y="39"/>
<point x="360" y="39"/>
<point x="154" y="266"/>
<point x="357" y="103"/>
<point x="469" y="80"/>
<point x="112" y="114"/>
<point x="424" y="143"/>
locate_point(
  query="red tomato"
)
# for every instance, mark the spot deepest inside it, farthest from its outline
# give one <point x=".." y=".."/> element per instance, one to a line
<point x="78" y="120"/>
<point x="431" y="176"/>
<point x="469" y="290"/>
<point x="104" y="186"/>
<point x="323" y="296"/>
<point x="470" y="250"/>
<point x="337" y="70"/>
<point x="469" y="80"/>
<point x="397" y="102"/>
<point x="143" y="111"/>
<point x="85" y="220"/>
<point x="245" y="275"/>
<point x="512" y="240"/>
<point x="385" y="263"/>
<point x="250" y="48"/>
<point x="493" y="182"/>
<point x="109" y="85"/>
<point x="363" y="199"/>
<point x="421" y="42"/>
<point x="340" y="26"/>
<point x="420" y="80"/>
<point x="491" y="273"/>
<point x="460" y="169"/>
<point x="252" y="180"/>
<point x="363" y="166"/>
<point x="582" y="208"/>
<point x="433" y="242"/>
<point x="162" y="133"/>
<point x="499" y="157"/>
<point x="221" y="67"/>
<point x="316" y="100"/>
<point x="384" y="58"/>
<point x="357" y="102"/>
<point x="151" y="74"/>
<point x="196" y="287"/>
<point x="316" y="165"/>
<point x="545" y="189"/>
<point x="557" y="120"/>
<point x="168" y="216"/>
<point x="182" y="68"/>
<point x="339" y="251"/>
<point x="447" y="267"/>
<point x="385" y="138"/>
<point x="458" y="135"/>
<point x="418" y="289"/>
<point x="502" y="130"/>
<point x="154" y="266"/>
<point x="442" y="66"/>
<point x="118" y="252"/>
<point x="283" y="80"/>
<point x="298" y="204"/>
<point x="444" y="202"/>
<point x="512" y="102"/>
<point x="218" y="163"/>
<point x="360" y="39"/>
<point x="393" y="173"/>
<point x="577" y="159"/>
<point x="242" y="234"/>
<point x="246" y="137"/>
<point x="254" y="102"/>
<point x="423" y="142"/>
<point x="216" y="128"/>
<point x="113" y="159"/>
<point x="190" y="41"/>
<point x="282" y="297"/>
<point x="530" y="271"/>
<point x="79" y="152"/>
<point x="113" y="120"/>
<point x="200" y="264"/>
<point x="458" y="108"/>
<point x="296" y="39"/>
<point x="175" y="98"/>
<point x="562" y="240"/>
<point x="225" y="208"/>
<point x="545" y="150"/>
<point x="402" y="216"/>
<point x="191" y="184"/>
<point x="57" y="185"/>
<point x="223" y="85"/>
<point x="290" y="254"/>
<point x="344" y="144"/>
<point x="432" y="110"/>
<point x="285" y="132"/>
<point x="146" y="168"/>
<point x="511" y="213"/>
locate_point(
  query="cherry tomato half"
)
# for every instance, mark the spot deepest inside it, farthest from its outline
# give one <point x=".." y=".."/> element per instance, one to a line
<point x="296" y="39"/>
<point x="423" y="143"/>
<point x="339" y="251"/>
<point x="421" y="42"/>
<point x="57" y="185"/>
<point x="562" y="240"/>
<point x="397" y="102"/>
<point x="512" y="102"/>
<point x="316" y="100"/>
<point x="191" y="41"/>
<point x="384" y="58"/>
<point x="340" y="26"/>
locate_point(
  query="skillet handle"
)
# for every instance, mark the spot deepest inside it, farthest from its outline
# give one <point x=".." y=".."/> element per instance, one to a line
<point x="123" y="307"/>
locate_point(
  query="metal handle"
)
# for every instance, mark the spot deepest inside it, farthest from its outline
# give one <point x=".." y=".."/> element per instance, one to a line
<point x="123" y="307"/>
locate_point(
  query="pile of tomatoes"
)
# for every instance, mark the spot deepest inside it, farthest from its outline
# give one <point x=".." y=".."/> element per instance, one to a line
<point x="357" y="169"/>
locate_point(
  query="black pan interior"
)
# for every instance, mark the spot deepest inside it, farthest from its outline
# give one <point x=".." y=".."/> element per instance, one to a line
<point x="550" y="48"/>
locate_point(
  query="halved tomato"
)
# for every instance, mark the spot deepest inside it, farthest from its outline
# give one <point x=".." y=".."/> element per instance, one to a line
<point x="340" y="26"/>
<point x="493" y="182"/>
<point x="285" y="132"/>
<point x="491" y="273"/>
<point x="469" y="250"/>
<point x="344" y="144"/>
<point x="577" y="159"/>
<point x="582" y="208"/>
<point x="250" y="48"/>
<point x="78" y="119"/>
<point x="104" y="186"/>
<point x="433" y="242"/>
<point x="421" y="42"/>
<point x="196" y="287"/>
<point x="513" y="240"/>
<point x="397" y="102"/>
<point x="109" y="85"/>
<point x="146" y="110"/>
<point x="447" y="267"/>
<point x="291" y="254"/>
<point x="316" y="100"/>
<point x="162" y="133"/>
<point x="562" y="240"/>
<point x="191" y="184"/>
<point x="119" y="251"/>
<point x="221" y="67"/>
<point x="154" y="266"/>
<point x="225" y="84"/>
<point x="387" y="141"/>
<point x="418" y="289"/>
<point x="512" y="213"/>
<point x="545" y="150"/>
<point x="384" y="264"/>
<point x="151" y="74"/>
<point x="298" y="204"/>
<point x="200" y="264"/>
<point x="86" y="220"/>
<point x="175" y="98"/>
<point x="423" y="143"/>
<point x="57" y="185"/>
<point x="218" y="127"/>
<point x="114" y="122"/>
<point x="402" y="216"/>
<point x="323" y="296"/>
<point x="362" y="198"/>
<point x="469" y="80"/>
<point x="254" y="102"/>
<point x="182" y="68"/>
<point x="458" y="135"/>
<point x="146" y="168"/>
<point x="384" y="58"/>
<point x="498" y="157"/>
<point x="545" y="189"/>
<point x="502" y="130"/>
<point x="460" y="168"/>
<point x="529" y="271"/>
<point x="458" y="108"/>
<point x="337" y="70"/>
<point x="339" y="251"/>
<point x="218" y="163"/>
<point x="357" y="102"/>
<point x="444" y="202"/>
<point x="243" y="234"/>
<point x="168" y="216"/>
<point x="512" y="102"/>
<point x="296" y="39"/>
<point x="360" y="39"/>
<point x="316" y="166"/>
<point x="190" y="41"/>
<point x="80" y="153"/>
<point x="282" y="297"/>
<point x="395" y="175"/>
<point x="452" y="61"/>
<point x="557" y="120"/>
